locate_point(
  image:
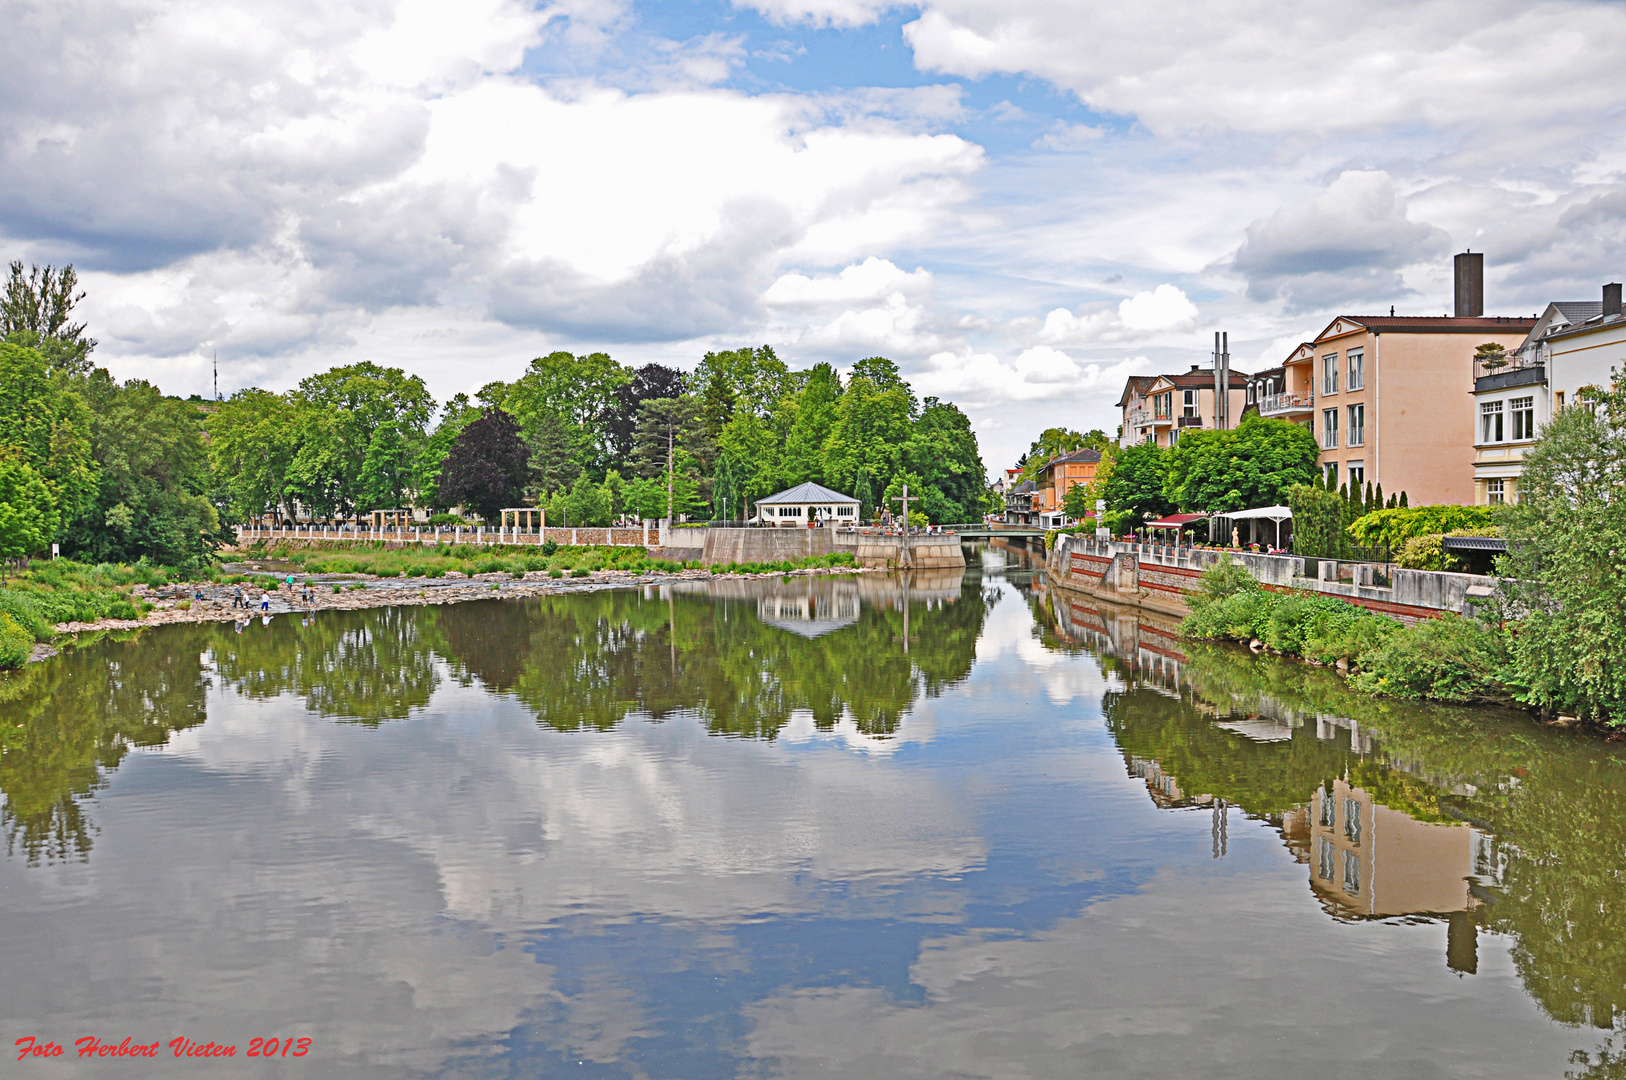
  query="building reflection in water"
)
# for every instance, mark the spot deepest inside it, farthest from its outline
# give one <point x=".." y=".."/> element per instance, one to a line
<point x="1365" y="858"/>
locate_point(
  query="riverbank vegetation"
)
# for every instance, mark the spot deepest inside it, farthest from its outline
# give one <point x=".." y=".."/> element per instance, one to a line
<point x="1447" y="659"/>
<point x="437" y="561"/>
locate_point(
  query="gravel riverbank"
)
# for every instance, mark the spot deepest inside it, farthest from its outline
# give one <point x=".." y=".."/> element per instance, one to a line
<point x="194" y="603"/>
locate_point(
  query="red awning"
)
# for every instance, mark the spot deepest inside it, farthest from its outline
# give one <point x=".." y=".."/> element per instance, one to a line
<point x="1176" y="521"/>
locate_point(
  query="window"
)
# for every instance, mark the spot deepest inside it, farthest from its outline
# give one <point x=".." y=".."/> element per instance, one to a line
<point x="1352" y="820"/>
<point x="1174" y="436"/>
<point x="844" y="511"/>
<point x="1329" y="428"/>
<point x="1357" y="369"/>
<point x="1188" y="402"/>
<point x="1524" y="418"/>
<point x="1352" y="873"/>
<point x="1357" y="425"/>
<point x="1328" y="811"/>
<point x="1357" y="476"/>
<point x="1324" y="853"/>
<point x="1164" y="404"/>
<point x="1495" y="492"/>
<point x="1560" y="399"/>
<point x="1329" y="374"/>
<point x="1331" y="469"/>
<point x="1490" y="421"/>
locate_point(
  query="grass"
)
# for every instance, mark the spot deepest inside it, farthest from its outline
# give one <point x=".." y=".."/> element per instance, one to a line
<point x="784" y="566"/>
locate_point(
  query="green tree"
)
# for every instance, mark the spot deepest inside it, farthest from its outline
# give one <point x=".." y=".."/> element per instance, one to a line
<point x="49" y="425"/>
<point x="340" y="413"/>
<point x="456" y="415"/>
<point x="28" y="514"/>
<point x="580" y="392"/>
<point x="1567" y="557"/>
<point x="588" y="504"/>
<point x="35" y="310"/>
<point x="748" y="463"/>
<point x="1138" y="482"/>
<point x="943" y="451"/>
<point x="672" y="439"/>
<point x="487" y="468"/>
<point x="874" y="420"/>
<point x="553" y="461"/>
<point x="1318" y="521"/>
<point x="813" y="417"/>
<point x="152" y="500"/>
<point x="753" y="379"/>
<point x="251" y="445"/>
<point x="1252" y="464"/>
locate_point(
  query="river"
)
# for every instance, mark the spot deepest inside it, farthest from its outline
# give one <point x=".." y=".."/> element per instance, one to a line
<point x="874" y="827"/>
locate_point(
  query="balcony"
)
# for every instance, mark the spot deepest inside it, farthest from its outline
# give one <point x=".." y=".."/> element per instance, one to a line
<point x="1518" y="371"/>
<point x="1286" y="404"/>
<point x="1191" y="422"/>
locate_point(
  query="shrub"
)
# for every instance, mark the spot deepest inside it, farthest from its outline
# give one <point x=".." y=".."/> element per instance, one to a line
<point x="444" y="521"/>
<point x="1450" y="658"/>
<point x="16" y="643"/>
<point x="556" y="573"/>
<point x="1393" y="528"/>
<point x="1225" y="578"/>
<point x="122" y="609"/>
<point x="578" y="572"/>
<point x="549" y="547"/>
<point x="1424" y="552"/>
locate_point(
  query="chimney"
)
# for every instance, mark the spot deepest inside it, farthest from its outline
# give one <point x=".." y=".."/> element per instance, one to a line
<point x="1470" y="275"/>
<point x="1611" y="299"/>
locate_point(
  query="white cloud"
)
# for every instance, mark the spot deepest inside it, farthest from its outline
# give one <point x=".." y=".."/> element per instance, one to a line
<point x="1350" y="241"/>
<point x="1163" y="310"/>
<point x="1208" y="66"/>
<point x="1068" y="137"/>
<point x="818" y="12"/>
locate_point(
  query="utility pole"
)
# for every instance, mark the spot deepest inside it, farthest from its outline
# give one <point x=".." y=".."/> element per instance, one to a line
<point x="217" y="375"/>
<point x="671" y="506"/>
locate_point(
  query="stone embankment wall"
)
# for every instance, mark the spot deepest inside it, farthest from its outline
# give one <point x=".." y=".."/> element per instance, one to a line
<point x="1159" y="577"/>
<point x="925" y="552"/>
<point x="723" y="546"/>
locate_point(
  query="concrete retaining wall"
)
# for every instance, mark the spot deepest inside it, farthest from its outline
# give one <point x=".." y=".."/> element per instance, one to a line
<point x="763" y="545"/>
<point x="925" y="552"/>
<point x="1160" y="577"/>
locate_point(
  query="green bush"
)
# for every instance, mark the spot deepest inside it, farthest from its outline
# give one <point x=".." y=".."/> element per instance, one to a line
<point x="1426" y="552"/>
<point x="1225" y="578"/>
<point x="122" y="609"/>
<point x="16" y="643"/>
<point x="549" y="547"/>
<point x="578" y="572"/>
<point x="556" y="573"/>
<point x="1393" y="528"/>
<point x="1450" y="658"/>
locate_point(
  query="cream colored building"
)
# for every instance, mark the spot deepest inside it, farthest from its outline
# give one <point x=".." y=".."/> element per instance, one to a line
<point x="1158" y="408"/>
<point x="1574" y="344"/>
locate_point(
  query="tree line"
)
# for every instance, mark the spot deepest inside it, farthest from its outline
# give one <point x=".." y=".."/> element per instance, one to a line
<point x="120" y="471"/>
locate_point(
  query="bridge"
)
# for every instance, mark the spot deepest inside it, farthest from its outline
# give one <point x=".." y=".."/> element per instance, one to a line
<point x="989" y="530"/>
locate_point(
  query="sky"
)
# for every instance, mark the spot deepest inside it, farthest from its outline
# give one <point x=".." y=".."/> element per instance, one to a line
<point x="1022" y="203"/>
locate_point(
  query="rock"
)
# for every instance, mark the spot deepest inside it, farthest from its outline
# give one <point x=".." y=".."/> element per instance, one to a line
<point x="1342" y="665"/>
<point x="1256" y="645"/>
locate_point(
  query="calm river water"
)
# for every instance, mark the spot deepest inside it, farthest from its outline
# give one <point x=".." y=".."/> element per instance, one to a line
<point x="863" y="827"/>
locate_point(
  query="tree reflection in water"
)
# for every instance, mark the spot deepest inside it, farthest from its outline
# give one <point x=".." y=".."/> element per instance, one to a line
<point x="1512" y="828"/>
<point x="361" y="667"/>
<point x="740" y="656"/>
<point x="72" y="718"/>
<point x="577" y="661"/>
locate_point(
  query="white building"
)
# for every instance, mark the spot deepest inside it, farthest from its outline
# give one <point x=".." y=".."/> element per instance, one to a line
<point x="1574" y="344"/>
<point x="807" y="504"/>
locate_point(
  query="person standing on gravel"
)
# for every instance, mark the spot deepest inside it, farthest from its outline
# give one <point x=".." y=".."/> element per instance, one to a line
<point x="237" y="600"/>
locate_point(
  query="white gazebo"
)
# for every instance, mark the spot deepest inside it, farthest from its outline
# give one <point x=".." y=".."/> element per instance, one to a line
<point x="804" y="505"/>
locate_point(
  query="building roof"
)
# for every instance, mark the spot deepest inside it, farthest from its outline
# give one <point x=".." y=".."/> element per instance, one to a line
<point x="1075" y="457"/>
<point x="1428" y="324"/>
<point x="1203" y="379"/>
<point x="807" y="493"/>
<point x="1597" y="322"/>
<point x="1136" y="382"/>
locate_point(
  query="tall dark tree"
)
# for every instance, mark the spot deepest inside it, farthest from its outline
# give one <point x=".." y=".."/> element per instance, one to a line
<point x="34" y="312"/>
<point x="553" y="462"/>
<point x="487" y="467"/>
<point x="648" y="383"/>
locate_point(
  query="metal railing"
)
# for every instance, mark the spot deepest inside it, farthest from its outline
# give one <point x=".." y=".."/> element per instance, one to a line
<point x="1276" y="404"/>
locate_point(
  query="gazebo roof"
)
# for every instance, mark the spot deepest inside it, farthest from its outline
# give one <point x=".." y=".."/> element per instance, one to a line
<point x="807" y="493"/>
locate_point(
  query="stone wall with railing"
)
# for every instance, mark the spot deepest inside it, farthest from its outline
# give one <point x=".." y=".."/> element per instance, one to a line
<point x="1160" y="576"/>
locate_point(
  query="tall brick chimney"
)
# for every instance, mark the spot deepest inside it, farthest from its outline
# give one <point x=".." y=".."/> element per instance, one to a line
<point x="1470" y="281"/>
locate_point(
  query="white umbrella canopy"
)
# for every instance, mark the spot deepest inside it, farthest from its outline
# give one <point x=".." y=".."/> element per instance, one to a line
<point x="1278" y="514"/>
